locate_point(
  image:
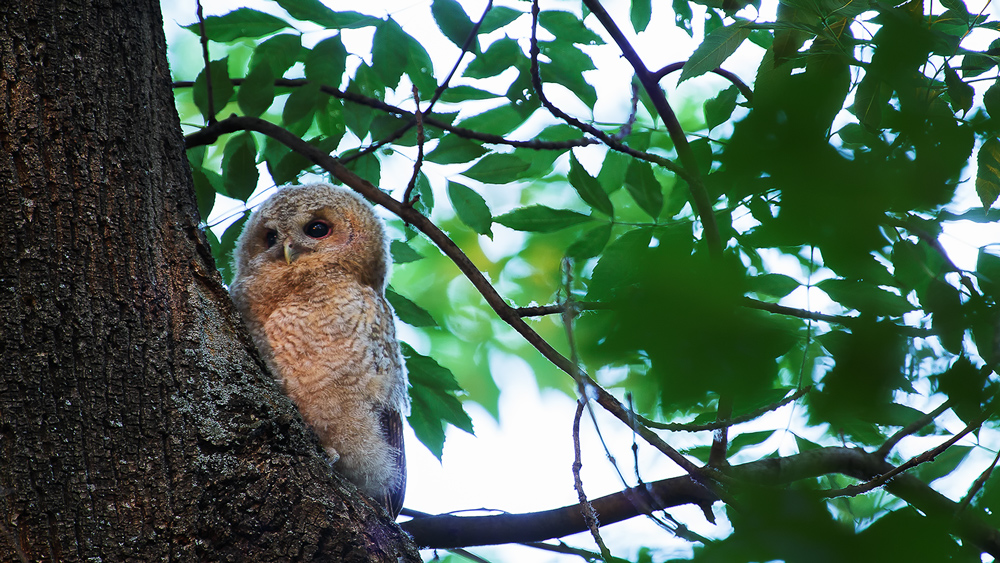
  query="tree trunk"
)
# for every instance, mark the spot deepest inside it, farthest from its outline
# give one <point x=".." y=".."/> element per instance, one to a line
<point x="136" y="423"/>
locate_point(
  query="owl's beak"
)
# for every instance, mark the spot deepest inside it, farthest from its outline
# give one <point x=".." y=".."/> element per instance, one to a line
<point x="289" y="253"/>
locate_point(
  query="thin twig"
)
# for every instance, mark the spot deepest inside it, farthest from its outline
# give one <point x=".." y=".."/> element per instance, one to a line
<point x="589" y="516"/>
<point x="534" y="144"/>
<point x="684" y="427"/>
<point x="420" y="150"/>
<point x="743" y="88"/>
<point x="536" y="81"/>
<point x="928" y="455"/>
<point x="707" y="477"/>
<point x="978" y="484"/>
<point x="914" y="426"/>
<point x="416" y="118"/>
<point x="692" y="174"/>
<point x="208" y="65"/>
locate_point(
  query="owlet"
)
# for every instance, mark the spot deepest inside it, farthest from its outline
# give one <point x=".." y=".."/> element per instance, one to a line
<point x="311" y="267"/>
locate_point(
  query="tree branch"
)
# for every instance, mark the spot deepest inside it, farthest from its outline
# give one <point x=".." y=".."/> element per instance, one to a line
<point x="706" y="476"/>
<point x="462" y="531"/>
<point x="535" y="144"/>
<point x="699" y="195"/>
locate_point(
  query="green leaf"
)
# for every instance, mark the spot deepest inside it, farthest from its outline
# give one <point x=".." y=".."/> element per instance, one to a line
<point x="566" y="68"/>
<point x="256" y="94"/>
<point x="458" y="94"/>
<point x="316" y="12"/>
<point x="497" y="168"/>
<point x="640" y="14"/>
<point x="613" y="169"/>
<point x="453" y="22"/>
<point x="943" y="464"/>
<point x="408" y="311"/>
<point x="719" y="109"/>
<point x="279" y="52"/>
<point x="988" y="173"/>
<point x="453" y="149"/>
<point x="865" y="297"/>
<point x="222" y="88"/>
<point x="239" y="166"/>
<point x="590" y="189"/>
<point x="644" y="187"/>
<point x="497" y="121"/>
<point x="988" y="271"/>
<point x="204" y="192"/>
<point x="683" y="16"/>
<point x="715" y="49"/>
<point x="388" y="59"/>
<point x="567" y="27"/>
<point x="327" y="62"/>
<point x="773" y="285"/>
<point x="223" y="253"/>
<point x="541" y="219"/>
<point x="471" y="208"/>
<point x="238" y="24"/>
<point x="301" y="104"/>
<point x="433" y="401"/>
<point x="501" y="55"/>
<point x="747" y="439"/>
<point x="403" y="253"/>
<point x="960" y="93"/>
<point x="498" y="17"/>
<point x="590" y="243"/>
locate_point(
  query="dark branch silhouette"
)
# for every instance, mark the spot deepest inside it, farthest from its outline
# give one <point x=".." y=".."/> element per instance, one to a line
<point x="465" y="531"/>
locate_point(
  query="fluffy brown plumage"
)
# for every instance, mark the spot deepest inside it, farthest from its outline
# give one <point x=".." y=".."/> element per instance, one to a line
<point x="311" y="267"/>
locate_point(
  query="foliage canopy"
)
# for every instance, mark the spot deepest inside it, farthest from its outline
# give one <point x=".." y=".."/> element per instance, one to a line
<point x="680" y="250"/>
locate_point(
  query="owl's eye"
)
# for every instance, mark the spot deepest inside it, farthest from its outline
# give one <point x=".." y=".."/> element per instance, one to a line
<point x="317" y="229"/>
<point x="271" y="238"/>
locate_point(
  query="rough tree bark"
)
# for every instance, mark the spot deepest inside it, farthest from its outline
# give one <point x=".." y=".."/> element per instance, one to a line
<point x="135" y="422"/>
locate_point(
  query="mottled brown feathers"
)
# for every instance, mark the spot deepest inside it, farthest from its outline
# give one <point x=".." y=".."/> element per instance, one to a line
<point x="311" y="269"/>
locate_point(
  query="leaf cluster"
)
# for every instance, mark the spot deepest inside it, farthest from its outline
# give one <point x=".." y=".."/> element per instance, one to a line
<point x="782" y="235"/>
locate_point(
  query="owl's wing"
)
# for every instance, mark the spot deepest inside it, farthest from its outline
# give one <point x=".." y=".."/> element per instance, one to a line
<point x="392" y="427"/>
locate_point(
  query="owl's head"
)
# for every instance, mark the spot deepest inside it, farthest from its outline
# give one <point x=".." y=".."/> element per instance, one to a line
<point x="314" y="228"/>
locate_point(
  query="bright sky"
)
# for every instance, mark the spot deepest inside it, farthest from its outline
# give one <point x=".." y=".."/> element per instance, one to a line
<point x="524" y="463"/>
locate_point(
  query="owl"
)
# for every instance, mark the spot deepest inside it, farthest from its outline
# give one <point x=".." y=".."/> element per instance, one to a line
<point x="311" y="267"/>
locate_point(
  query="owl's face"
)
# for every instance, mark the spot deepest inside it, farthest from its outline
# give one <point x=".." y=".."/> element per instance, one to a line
<point x="313" y="230"/>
